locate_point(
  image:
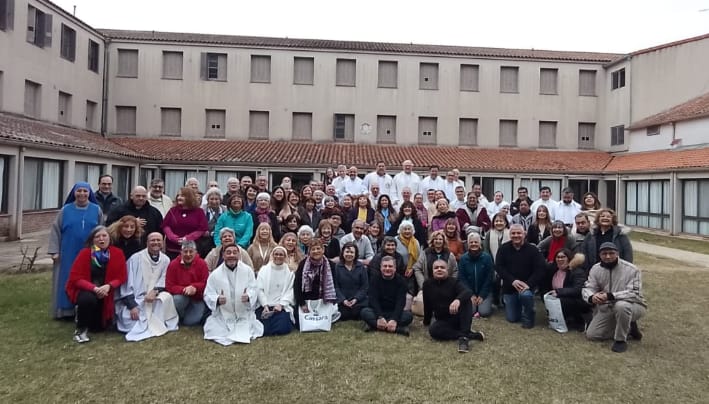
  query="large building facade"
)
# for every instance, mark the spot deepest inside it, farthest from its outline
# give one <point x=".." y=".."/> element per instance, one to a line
<point x="76" y="102"/>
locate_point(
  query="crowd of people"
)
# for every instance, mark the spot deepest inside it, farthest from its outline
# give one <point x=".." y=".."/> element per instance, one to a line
<point x="248" y="261"/>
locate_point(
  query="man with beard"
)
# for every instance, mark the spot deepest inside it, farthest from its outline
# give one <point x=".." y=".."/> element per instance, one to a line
<point x="524" y="215"/>
<point x="522" y="195"/>
<point x="582" y="227"/>
<point x="614" y="288"/>
<point x="387" y="298"/>
<point x="472" y="214"/>
<point x="448" y="301"/>
<point x="158" y="199"/>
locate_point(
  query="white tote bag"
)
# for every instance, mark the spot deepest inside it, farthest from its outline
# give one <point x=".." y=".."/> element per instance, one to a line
<point x="320" y="316"/>
<point x="555" y="314"/>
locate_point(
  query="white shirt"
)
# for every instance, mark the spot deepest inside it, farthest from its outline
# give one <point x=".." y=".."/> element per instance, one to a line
<point x="493" y="208"/>
<point x="549" y="203"/>
<point x="449" y="189"/>
<point x="337" y="182"/>
<point x="403" y="180"/>
<point x="567" y="213"/>
<point x="385" y="182"/>
<point x="352" y="187"/>
<point x="429" y="183"/>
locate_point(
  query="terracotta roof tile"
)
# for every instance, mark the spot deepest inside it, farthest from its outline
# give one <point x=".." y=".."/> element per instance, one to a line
<point x="15" y="128"/>
<point x="305" y="155"/>
<point x="435" y="50"/>
<point x="695" y="108"/>
<point x="663" y="160"/>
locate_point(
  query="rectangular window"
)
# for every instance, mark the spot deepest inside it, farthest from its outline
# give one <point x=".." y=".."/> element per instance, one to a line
<point x="386" y="129"/>
<point x="548" y="79"/>
<point x="468" y="132"/>
<point x="695" y="210"/>
<point x="534" y="184"/>
<point x="42" y="187"/>
<point x="146" y="175"/>
<point x="303" y="70"/>
<point x="388" y="74"/>
<point x="258" y="124"/>
<point x="33" y="99"/>
<point x="428" y="130"/>
<point x="175" y="179"/>
<point x="93" y="56"/>
<point x="68" y="44"/>
<point x="39" y="28"/>
<point x="647" y="204"/>
<point x="213" y="66"/>
<point x="492" y="184"/>
<point x="172" y="65"/>
<point x="346" y="72"/>
<point x="653" y="130"/>
<point x="343" y="128"/>
<point x="508" y="133"/>
<point x="428" y="76"/>
<point x="587" y="135"/>
<point x="509" y="79"/>
<point x="4" y="174"/>
<point x="87" y="172"/>
<point x="64" y="108"/>
<point x="125" y="120"/>
<point x="1" y="89"/>
<point x="547" y="134"/>
<point x="216" y="122"/>
<point x="7" y="15"/>
<point x="122" y="181"/>
<point x="469" y="77"/>
<point x="618" y="79"/>
<point x="127" y="63"/>
<point x="617" y="135"/>
<point x="91" y="108"/>
<point x="302" y="126"/>
<point x="260" y="69"/>
<point x="587" y="82"/>
<point x="171" y="121"/>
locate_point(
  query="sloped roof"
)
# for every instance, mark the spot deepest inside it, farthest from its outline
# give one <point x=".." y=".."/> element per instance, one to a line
<point x="670" y="44"/>
<point x="662" y="160"/>
<point x="22" y="130"/>
<point x="695" y="108"/>
<point x="357" y="46"/>
<point x="305" y="155"/>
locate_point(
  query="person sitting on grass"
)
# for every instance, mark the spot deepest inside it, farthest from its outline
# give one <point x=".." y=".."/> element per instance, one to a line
<point x="143" y="308"/>
<point x="477" y="271"/>
<point x="614" y="288"/>
<point x="351" y="283"/>
<point x="275" y="294"/>
<point x="186" y="279"/>
<point x="447" y="301"/>
<point x="97" y="272"/>
<point x="231" y="296"/>
<point x="386" y="301"/>
<point x="565" y="280"/>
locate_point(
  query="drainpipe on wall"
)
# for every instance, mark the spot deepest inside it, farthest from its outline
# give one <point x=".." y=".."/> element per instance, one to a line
<point x="104" y="89"/>
<point x="17" y="214"/>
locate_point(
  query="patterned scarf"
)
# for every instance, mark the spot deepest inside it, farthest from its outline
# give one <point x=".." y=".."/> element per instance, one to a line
<point x="99" y="257"/>
<point x="262" y="215"/>
<point x="322" y="268"/>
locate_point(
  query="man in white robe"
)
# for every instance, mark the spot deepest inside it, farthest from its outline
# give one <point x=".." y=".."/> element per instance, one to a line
<point x="143" y="308"/>
<point x="231" y="294"/>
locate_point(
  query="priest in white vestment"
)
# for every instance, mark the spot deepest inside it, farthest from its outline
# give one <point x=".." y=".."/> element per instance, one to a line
<point x="143" y="308"/>
<point x="231" y="295"/>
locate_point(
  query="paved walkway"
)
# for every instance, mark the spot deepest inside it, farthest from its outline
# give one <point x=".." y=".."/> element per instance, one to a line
<point x="11" y="255"/>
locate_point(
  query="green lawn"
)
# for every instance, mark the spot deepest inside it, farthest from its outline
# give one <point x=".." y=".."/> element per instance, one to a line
<point x="686" y="244"/>
<point x="40" y="363"/>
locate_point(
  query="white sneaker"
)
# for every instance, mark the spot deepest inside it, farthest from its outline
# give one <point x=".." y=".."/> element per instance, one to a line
<point x="81" y="336"/>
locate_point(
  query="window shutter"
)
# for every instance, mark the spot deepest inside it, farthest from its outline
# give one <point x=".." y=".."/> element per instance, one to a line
<point x="221" y="66"/>
<point x="31" y="23"/>
<point x="203" y="66"/>
<point x="47" y="30"/>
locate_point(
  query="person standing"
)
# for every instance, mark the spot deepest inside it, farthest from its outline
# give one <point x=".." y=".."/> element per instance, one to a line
<point x="104" y="197"/>
<point x="79" y="215"/>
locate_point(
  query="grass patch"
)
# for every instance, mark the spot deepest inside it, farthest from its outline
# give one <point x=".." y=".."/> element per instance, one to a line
<point x="685" y="244"/>
<point x="41" y="363"/>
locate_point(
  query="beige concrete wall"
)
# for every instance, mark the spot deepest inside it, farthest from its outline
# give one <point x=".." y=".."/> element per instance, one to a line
<point x="21" y="60"/>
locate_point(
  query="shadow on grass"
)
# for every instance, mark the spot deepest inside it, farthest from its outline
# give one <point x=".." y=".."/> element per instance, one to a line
<point x="41" y="363"/>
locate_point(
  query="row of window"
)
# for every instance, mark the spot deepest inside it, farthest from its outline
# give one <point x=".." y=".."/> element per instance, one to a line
<point x="344" y="127"/>
<point x="33" y="106"/>
<point x="213" y="66"/>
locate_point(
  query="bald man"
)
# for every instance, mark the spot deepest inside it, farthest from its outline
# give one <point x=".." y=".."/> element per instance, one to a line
<point x="149" y="217"/>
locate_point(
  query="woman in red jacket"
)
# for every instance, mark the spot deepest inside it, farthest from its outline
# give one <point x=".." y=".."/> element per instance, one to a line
<point x="97" y="271"/>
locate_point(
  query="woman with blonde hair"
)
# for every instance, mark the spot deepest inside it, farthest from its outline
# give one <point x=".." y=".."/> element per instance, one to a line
<point x="452" y="232"/>
<point x="126" y="234"/>
<point x="260" y="249"/>
<point x="437" y="250"/>
<point x="184" y="221"/>
<point x="295" y="255"/>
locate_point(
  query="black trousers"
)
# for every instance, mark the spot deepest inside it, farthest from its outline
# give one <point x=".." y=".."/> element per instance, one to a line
<point x="455" y="326"/>
<point x="349" y="313"/>
<point x="88" y="311"/>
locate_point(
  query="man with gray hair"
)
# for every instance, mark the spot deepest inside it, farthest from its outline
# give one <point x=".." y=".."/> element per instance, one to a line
<point x="232" y="187"/>
<point x="406" y="179"/>
<point x="186" y="279"/>
<point x="157" y="198"/>
<point x="387" y="298"/>
<point x="364" y="245"/>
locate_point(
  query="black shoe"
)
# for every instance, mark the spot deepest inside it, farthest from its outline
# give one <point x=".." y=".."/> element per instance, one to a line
<point x="619" y="346"/>
<point x="367" y="328"/>
<point x="635" y="331"/>
<point x="463" y="346"/>
<point x="527" y="326"/>
<point x="403" y="331"/>
<point x="476" y="336"/>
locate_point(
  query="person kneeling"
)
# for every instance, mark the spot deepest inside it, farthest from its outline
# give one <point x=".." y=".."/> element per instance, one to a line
<point x="143" y="308"/>
<point x="231" y="295"/>
<point x="275" y="294"/>
<point x="447" y="300"/>
<point x="387" y="298"/>
<point x="186" y="279"/>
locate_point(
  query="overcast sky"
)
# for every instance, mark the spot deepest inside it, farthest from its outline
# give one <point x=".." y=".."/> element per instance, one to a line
<point x="620" y="26"/>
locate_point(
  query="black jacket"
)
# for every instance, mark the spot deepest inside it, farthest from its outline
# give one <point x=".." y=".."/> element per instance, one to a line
<point x="439" y="294"/>
<point x="526" y="264"/>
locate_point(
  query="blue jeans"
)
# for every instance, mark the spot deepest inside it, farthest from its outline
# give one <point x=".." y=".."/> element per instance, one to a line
<point x="520" y="306"/>
<point x="191" y="312"/>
